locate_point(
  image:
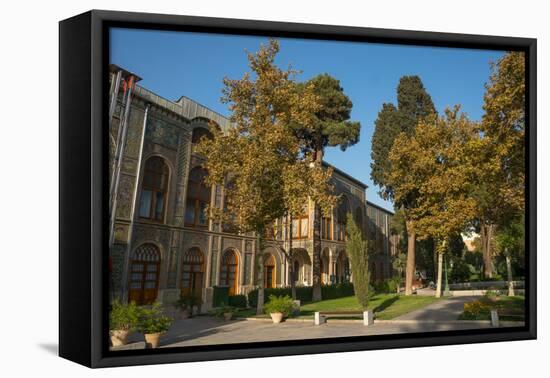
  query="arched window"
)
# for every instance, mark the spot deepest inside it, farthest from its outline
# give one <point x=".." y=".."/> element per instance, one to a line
<point x="229" y="269"/>
<point x="144" y="274"/>
<point x="198" y="197"/>
<point x="269" y="271"/>
<point x="198" y="133"/>
<point x="326" y="227"/>
<point x="343" y="209"/>
<point x="192" y="272"/>
<point x="358" y="217"/>
<point x="154" y="189"/>
<point x="296" y="272"/>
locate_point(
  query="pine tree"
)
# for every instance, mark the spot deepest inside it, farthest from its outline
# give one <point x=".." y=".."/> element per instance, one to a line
<point x="413" y="105"/>
<point x="332" y="128"/>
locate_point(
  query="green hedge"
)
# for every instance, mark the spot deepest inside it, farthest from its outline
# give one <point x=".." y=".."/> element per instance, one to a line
<point x="303" y="293"/>
<point x="344" y="289"/>
<point x="220" y="296"/>
<point x="238" y="301"/>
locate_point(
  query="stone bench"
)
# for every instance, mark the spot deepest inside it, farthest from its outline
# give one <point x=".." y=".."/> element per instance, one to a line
<point x="321" y="316"/>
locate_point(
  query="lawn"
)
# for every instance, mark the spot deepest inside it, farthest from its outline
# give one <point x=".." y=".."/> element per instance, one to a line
<point x="385" y="306"/>
<point x="509" y="308"/>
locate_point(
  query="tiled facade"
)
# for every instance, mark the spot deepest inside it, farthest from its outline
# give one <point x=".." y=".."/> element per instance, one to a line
<point x="383" y="244"/>
<point x="162" y="241"/>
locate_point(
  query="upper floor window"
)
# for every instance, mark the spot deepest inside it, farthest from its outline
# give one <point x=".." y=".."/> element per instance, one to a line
<point x="198" y="197"/>
<point x="342" y="213"/>
<point x="358" y="217"/>
<point x="154" y="189"/>
<point x="198" y="133"/>
<point x="300" y="226"/>
<point x="326" y="228"/>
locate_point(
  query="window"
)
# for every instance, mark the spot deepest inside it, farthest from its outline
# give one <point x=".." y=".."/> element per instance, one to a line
<point x="144" y="274"/>
<point x="192" y="272"/>
<point x="358" y="218"/>
<point x="198" y="197"/>
<point x="154" y="189"/>
<point x="341" y="219"/>
<point x="229" y="269"/>
<point x="198" y="133"/>
<point x="300" y="227"/>
<point x="326" y="228"/>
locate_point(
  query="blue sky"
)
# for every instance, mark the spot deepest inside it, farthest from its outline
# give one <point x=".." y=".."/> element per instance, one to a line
<point x="173" y="64"/>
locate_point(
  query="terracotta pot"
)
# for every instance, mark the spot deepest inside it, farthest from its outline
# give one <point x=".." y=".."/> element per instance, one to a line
<point x="119" y="336"/>
<point x="277" y="317"/>
<point x="153" y="339"/>
<point x="228" y="315"/>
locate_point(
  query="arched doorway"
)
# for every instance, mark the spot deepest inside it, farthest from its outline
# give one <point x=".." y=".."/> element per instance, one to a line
<point x="342" y="267"/>
<point x="325" y="263"/>
<point x="229" y="270"/>
<point x="269" y="271"/>
<point x="192" y="272"/>
<point x="302" y="267"/>
<point x="144" y="274"/>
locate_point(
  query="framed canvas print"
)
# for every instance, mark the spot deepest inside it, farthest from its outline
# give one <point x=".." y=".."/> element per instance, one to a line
<point x="235" y="188"/>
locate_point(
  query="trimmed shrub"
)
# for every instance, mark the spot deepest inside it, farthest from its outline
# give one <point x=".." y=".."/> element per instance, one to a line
<point x="303" y="294"/>
<point x="238" y="301"/>
<point x="460" y="272"/>
<point x="344" y="289"/>
<point x="220" y="296"/>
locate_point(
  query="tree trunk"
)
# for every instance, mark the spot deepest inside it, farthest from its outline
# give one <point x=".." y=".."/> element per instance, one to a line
<point x="317" y="296"/>
<point x="291" y="259"/>
<point x="511" y="291"/>
<point x="486" y="236"/>
<point x="439" y="274"/>
<point x="409" y="272"/>
<point x="260" y="279"/>
<point x="261" y="299"/>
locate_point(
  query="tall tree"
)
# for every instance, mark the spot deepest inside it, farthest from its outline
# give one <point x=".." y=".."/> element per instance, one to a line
<point x="501" y="181"/>
<point x="436" y="163"/>
<point x="260" y="161"/>
<point x="413" y="105"/>
<point x="332" y="128"/>
<point x="357" y="249"/>
<point x="510" y="241"/>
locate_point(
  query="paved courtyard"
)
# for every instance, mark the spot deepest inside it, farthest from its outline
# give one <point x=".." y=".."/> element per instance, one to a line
<point x="204" y="330"/>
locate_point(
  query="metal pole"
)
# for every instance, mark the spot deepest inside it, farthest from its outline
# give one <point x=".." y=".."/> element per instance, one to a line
<point x="116" y="172"/>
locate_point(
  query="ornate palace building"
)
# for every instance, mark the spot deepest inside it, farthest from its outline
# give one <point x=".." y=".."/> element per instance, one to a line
<point x="162" y="243"/>
<point x="384" y="244"/>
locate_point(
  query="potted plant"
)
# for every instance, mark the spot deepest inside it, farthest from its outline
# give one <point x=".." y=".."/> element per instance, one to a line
<point x="123" y="319"/>
<point x="279" y="307"/>
<point x="228" y="312"/>
<point x="225" y="312"/>
<point x="186" y="304"/>
<point x="153" y="323"/>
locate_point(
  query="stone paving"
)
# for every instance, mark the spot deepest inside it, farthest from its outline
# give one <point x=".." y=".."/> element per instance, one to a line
<point x="204" y="330"/>
<point x="443" y="310"/>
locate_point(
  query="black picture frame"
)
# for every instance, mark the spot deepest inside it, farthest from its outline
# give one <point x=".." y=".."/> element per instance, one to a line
<point x="83" y="231"/>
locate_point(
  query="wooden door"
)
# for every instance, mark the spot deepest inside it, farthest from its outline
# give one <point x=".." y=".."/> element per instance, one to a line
<point x="192" y="272"/>
<point x="144" y="274"/>
<point x="269" y="271"/>
<point x="228" y="271"/>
